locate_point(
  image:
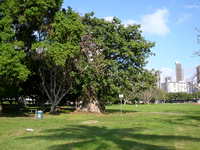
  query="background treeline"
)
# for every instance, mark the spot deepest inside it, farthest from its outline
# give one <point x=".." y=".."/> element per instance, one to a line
<point x="154" y="95"/>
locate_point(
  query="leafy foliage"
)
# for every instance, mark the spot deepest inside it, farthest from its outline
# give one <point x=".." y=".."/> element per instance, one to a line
<point x="183" y="96"/>
<point x="63" y="52"/>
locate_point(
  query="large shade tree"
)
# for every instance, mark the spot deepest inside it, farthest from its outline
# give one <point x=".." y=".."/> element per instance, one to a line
<point x="12" y="68"/>
<point x="113" y="60"/>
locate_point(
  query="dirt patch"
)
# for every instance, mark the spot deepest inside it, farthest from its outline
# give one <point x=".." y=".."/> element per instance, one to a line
<point x="87" y="113"/>
<point x="17" y="133"/>
<point x="90" y="122"/>
<point x="195" y="103"/>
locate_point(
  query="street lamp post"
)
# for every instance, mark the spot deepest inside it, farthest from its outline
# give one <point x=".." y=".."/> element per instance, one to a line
<point x="121" y="98"/>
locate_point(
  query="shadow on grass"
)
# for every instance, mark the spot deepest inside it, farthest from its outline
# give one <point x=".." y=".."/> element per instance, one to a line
<point x="191" y="117"/>
<point x="21" y="111"/>
<point x="189" y="120"/>
<point x="13" y="110"/>
<point x="14" y="115"/>
<point x="103" y="138"/>
<point x="183" y="120"/>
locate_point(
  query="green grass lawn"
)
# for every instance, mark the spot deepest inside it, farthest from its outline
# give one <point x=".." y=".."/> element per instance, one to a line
<point x="146" y="127"/>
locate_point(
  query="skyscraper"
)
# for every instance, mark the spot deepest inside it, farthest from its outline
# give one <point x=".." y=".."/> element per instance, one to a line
<point x="179" y="72"/>
<point x="168" y="79"/>
<point x="157" y="73"/>
<point x="198" y="74"/>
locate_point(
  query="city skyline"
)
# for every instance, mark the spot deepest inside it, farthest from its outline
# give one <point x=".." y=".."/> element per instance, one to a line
<point x="179" y="84"/>
<point x="178" y="67"/>
<point x="170" y="24"/>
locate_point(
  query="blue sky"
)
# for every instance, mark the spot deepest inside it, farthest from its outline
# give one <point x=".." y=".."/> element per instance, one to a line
<point x="169" y="23"/>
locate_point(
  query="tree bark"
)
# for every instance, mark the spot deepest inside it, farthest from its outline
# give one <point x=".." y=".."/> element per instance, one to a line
<point x="1" y="108"/>
<point x="91" y="104"/>
<point x="53" y="109"/>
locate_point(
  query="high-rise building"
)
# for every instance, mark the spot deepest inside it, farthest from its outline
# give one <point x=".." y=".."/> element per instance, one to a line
<point x="198" y="74"/>
<point x="157" y="73"/>
<point x="179" y="72"/>
<point x="174" y="87"/>
<point x="168" y="79"/>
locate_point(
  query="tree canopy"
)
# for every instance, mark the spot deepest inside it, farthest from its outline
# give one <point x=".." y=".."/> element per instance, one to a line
<point x="62" y="52"/>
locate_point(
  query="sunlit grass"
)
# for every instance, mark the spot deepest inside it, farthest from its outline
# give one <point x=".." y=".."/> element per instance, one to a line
<point x="146" y="127"/>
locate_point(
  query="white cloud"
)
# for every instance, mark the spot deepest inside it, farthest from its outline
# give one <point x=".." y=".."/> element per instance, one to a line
<point x="191" y="6"/>
<point x="129" y="22"/>
<point x="183" y="18"/>
<point x="109" y="18"/>
<point x="156" y="23"/>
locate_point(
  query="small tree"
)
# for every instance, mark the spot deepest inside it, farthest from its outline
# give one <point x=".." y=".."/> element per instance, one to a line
<point x="147" y="86"/>
<point x="56" y="56"/>
<point x="147" y="95"/>
<point x="159" y="94"/>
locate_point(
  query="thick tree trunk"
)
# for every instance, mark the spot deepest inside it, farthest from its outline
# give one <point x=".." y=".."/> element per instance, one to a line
<point x="53" y="109"/>
<point x="91" y="105"/>
<point x="1" y="108"/>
